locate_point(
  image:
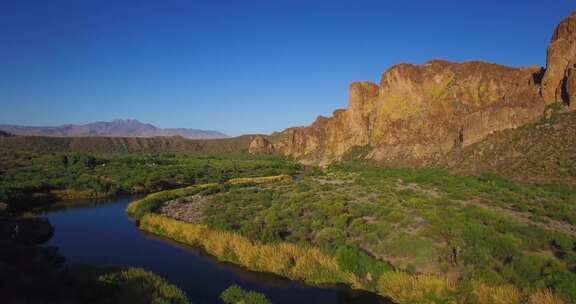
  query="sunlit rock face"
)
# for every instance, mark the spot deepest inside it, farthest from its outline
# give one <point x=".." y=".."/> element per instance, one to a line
<point x="418" y="113"/>
<point x="260" y="145"/>
<point x="559" y="83"/>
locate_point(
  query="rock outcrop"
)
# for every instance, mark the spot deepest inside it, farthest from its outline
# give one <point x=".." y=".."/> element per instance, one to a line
<point x="260" y="145"/>
<point x="559" y="83"/>
<point x="419" y="113"/>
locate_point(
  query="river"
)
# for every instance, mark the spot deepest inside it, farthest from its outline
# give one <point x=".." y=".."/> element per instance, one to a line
<point x="100" y="233"/>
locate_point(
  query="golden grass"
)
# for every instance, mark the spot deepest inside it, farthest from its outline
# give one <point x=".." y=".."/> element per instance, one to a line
<point x="259" y="180"/>
<point x="293" y="261"/>
<point x="544" y="297"/>
<point x="505" y="294"/>
<point x="508" y="294"/>
<point x="402" y="287"/>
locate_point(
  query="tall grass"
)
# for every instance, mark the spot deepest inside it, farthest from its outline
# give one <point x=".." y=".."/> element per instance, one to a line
<point x="505" y="294"/>
<point x="402" y="287"/>
<point x="544" y="297"/>
<point x="295" y="262"/>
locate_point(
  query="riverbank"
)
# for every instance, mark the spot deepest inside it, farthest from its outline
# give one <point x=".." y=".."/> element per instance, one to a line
<point x="313" y="266"/>
<point x="40" y="201"/>
<point x="33" y="272"/>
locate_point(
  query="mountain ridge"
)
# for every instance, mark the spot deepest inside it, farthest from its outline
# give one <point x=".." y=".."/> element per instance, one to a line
<point x="115" y="128"/>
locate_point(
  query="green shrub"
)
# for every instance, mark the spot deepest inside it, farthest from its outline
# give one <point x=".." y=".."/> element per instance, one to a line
<point x="136" y="285"/>
<point x="354" y="260"/>
<point x="236" y="295"/>
<point x="529" y="268"/>
<point x="563" y="242"/>
<point x="564" y="283"/>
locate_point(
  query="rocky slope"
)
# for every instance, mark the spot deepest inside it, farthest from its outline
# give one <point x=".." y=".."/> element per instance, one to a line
<point x="116" y="128"/>
<point x="540" y="152"/>
<point x="418" y="114"/>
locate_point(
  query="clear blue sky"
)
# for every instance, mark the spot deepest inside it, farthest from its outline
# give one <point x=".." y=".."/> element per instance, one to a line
<point x="239" y="66"/>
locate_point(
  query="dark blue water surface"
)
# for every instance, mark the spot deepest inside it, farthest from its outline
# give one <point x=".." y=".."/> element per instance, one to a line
<point x="101" y="233"/>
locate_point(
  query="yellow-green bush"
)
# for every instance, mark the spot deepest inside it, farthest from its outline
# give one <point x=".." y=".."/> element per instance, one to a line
<point x="259" y="180"/>
<point x="402" y="287"/>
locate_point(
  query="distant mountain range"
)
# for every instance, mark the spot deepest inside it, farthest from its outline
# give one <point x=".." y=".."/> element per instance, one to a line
<point x="116" y="128"/>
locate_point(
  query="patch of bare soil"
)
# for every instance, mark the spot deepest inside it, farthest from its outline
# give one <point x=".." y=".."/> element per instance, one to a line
<point x="187" y="209"/>
<point x="401" y="185"/>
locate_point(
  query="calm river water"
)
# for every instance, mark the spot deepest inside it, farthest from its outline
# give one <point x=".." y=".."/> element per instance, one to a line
<point x="101" y="233"/>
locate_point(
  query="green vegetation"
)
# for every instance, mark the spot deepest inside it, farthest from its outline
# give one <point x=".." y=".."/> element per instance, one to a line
<point x="29" y="178"/>
<point x="136" y="285"/>
<point x="453" y="238"/>
<point x="296" y="262"/>
<point x="236" y="295"/>
<point x="351" y="259"/>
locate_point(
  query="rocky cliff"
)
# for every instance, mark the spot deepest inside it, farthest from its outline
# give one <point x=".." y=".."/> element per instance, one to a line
<point x="559" y="83"/>
<point x="260" y="145"/>
<point x="419" y="113"/>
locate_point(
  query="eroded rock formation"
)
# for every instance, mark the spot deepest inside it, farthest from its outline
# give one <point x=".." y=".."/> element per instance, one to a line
<point x="559" y="83"/>
<point x="260" y="145"/>
<point x="419" y="113"/>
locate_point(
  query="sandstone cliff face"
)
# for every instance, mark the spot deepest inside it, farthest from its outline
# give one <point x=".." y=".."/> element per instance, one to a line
<point x="559" y="83"/>
<point x="260" y="145"/>
<point x="419" y="113"/>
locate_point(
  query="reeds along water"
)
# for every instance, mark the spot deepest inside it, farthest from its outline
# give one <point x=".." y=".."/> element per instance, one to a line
<point x="310" y="265"/>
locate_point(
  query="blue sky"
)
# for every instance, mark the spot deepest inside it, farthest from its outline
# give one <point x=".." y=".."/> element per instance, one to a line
<point x="239" y="66"/>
